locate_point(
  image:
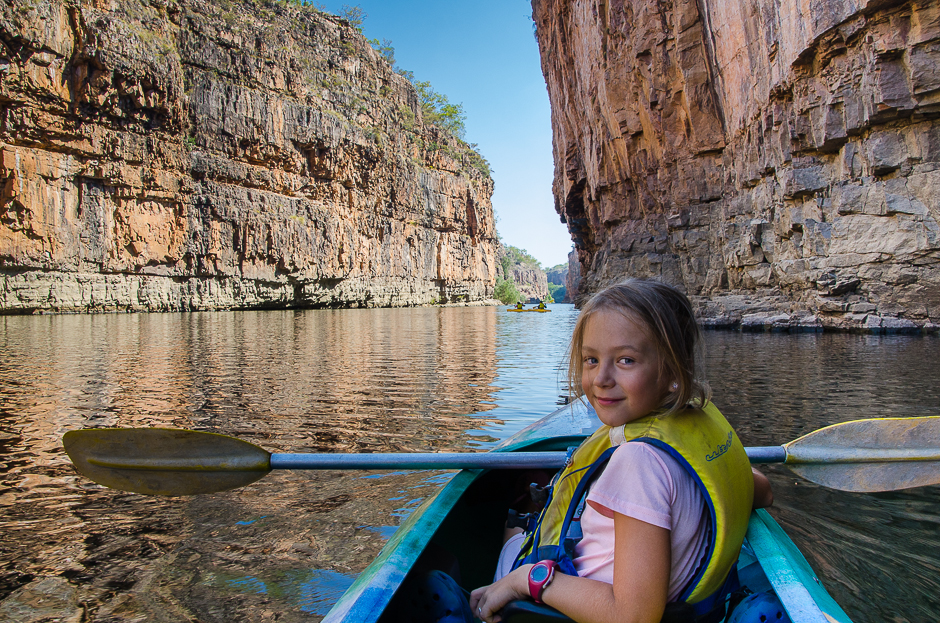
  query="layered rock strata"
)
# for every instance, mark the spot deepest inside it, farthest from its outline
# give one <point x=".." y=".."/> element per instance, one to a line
<point x="176" y="155"/>
<point x="530" y="281"/>
<point x="557" y="274"/>
<point x="780" y="161"/>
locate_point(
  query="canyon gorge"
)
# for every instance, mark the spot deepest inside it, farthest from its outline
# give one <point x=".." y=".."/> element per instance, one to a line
<point x="779" y="162"/>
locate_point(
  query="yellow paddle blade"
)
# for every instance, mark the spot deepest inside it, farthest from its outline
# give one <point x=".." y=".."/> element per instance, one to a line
<point x="882" y="454"/>
<point x="163" y="461"/>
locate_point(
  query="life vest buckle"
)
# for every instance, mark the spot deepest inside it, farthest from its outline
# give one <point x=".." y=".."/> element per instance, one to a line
<point x="539" y="494"/>
<point x="526" y="521"/>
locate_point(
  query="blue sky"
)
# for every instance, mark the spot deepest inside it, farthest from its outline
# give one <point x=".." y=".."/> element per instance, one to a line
<point x="483" y="54"/>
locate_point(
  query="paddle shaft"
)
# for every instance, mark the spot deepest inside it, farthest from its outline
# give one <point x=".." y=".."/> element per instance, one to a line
<point x="420" y="460"/>
<point x="461" y="460"/>
<point x="522" y="460"/>
<point x="483" y="460"/>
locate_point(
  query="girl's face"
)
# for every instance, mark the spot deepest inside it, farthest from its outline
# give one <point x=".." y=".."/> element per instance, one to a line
<point x="620" y="369"/>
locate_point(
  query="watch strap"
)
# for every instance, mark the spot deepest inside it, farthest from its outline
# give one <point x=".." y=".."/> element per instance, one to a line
<point x="540" y="576"/>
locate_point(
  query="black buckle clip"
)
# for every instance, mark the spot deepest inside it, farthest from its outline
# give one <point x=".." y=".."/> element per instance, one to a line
<point x="518" y="520"/>
<point x="539" y="494"/>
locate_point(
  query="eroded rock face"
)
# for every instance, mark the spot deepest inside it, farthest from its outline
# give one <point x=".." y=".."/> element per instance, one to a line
<point x="189" y="155"/>
<point x="531" y="282"/>
<point x="780" y="161"/>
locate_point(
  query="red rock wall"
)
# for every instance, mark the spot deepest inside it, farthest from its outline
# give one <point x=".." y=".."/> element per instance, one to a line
<point x="777" y="160"/>
<point x="191" y="155"/>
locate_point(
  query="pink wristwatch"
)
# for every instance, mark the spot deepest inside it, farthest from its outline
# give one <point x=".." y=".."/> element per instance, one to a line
<point x="540" y="575"/>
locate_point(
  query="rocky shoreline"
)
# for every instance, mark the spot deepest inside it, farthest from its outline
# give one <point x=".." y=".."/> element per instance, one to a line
<point x="760" y="312"/>
<point x="92" y="292"/>
<point x="54" y="292"/>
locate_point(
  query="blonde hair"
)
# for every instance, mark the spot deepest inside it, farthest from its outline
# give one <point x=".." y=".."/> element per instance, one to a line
<point x="667" y="319"/>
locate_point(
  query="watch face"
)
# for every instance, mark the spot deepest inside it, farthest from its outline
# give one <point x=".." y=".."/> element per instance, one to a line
<point x="539" y="573"/>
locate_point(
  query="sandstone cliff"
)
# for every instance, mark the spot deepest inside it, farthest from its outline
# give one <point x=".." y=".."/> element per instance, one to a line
<point x="524" y="272"/>
<point x="179" y="154"/>
<point x="573" y="278"/>
<point x="777" y="160"/>
<point x="558" y="276"/>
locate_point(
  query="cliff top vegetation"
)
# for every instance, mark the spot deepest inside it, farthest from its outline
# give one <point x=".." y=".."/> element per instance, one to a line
<point x="514" y="256"/>
<point x="437" y="110"/>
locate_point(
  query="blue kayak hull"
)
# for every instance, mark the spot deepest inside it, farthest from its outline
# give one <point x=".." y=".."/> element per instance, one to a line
<point x="462" y="526"/>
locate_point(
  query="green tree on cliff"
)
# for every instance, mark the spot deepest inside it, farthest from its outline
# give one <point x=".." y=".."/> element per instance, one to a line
<point x="355" y="15"/>
<point x="436" y="108"/>
<point x="506" y="291"/>
<point x="439" y="111"/>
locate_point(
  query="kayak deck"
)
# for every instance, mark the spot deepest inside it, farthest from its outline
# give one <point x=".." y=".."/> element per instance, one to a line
<point x="771" y="560"/>
<point x="460" y="532"/>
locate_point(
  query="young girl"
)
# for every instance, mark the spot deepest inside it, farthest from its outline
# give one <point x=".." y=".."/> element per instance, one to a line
<point x="632" y="527"/>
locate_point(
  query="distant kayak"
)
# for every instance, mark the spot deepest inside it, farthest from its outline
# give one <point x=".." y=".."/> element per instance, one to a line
<point x="532" y="309"/>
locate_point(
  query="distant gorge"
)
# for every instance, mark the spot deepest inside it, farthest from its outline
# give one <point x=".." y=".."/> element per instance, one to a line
<point x="185" y="155"/>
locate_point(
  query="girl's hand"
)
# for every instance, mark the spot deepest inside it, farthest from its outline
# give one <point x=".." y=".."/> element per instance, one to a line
<point x="763" y="494"/>
<point x="487" y="601"/>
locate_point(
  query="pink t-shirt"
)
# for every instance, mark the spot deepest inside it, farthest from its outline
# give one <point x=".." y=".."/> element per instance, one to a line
<point x="646" y="483"/>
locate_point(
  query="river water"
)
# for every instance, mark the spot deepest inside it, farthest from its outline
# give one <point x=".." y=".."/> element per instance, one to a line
<point x="384" y="380"/>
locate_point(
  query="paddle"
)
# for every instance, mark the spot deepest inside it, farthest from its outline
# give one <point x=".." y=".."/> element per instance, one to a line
<point x="863" y="455"/>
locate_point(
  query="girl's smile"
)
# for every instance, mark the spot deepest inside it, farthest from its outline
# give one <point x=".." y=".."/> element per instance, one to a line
<point x="621" y="370"/>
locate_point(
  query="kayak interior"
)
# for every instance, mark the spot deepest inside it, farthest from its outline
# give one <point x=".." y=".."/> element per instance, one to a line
<point x="459" y="531"/>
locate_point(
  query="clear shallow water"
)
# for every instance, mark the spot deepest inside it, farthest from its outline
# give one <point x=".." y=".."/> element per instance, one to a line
<point x="451" y="379"/>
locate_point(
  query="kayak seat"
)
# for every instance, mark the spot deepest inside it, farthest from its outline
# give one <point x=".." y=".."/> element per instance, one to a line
<point x="525" y="611"/>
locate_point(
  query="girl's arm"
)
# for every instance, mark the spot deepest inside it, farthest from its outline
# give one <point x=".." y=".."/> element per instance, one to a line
<point x="642" y="564"/>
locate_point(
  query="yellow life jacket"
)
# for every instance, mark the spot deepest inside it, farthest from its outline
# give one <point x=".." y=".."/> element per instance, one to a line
<point x="703" y="442"/>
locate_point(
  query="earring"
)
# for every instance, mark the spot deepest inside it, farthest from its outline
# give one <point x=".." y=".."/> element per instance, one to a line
<point x="675" y="387"/>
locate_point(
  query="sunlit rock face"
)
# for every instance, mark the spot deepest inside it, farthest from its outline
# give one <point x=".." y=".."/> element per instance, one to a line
<point x="778" y="160"/>
<point x="192" y="155"/>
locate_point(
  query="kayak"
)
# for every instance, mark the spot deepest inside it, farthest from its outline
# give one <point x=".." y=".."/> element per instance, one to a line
<point x="460" y="530"/>
<point x="533" y="309"/>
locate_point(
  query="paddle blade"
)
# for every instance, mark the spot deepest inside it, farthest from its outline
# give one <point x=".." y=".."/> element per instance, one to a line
<point x="882" y="454"/>
<point x="162" y="461"/>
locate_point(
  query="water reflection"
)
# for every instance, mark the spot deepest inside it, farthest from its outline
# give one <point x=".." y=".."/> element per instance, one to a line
<point x="383" y="380"/>
<point x="334" y="381"/>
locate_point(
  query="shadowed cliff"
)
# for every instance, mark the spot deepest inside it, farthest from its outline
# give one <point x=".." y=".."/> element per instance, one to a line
<point x="172" y="155"/>
<point x="777" y="160"/>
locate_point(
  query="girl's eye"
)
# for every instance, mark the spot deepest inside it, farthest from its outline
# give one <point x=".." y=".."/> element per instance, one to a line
<point x="625" y="360"/>
<point x="590" y="361"/>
